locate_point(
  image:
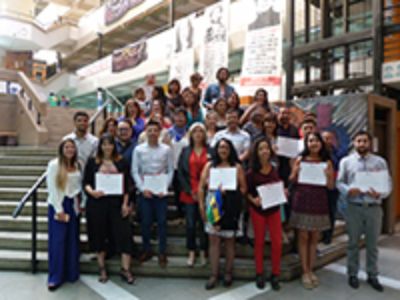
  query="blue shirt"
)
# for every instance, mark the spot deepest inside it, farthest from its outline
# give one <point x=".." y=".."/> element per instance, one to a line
<point x="354" y="163"/>
<point x="126" y="151"/>
<point x="213" y="92"/>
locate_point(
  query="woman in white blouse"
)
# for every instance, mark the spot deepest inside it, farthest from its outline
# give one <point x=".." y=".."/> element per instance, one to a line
<point x="64" y="182"/>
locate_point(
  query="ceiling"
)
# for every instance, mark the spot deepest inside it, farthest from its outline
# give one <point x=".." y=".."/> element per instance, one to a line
<point x="132" y="30"/>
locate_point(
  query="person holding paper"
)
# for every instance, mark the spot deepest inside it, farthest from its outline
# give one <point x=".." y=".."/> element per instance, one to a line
<point x="177" y="135"/>
<point x="310" y="213"/>
<point x="222" y="217"/>
<point x="191" y="163"/>
<point x="364" y="211"/>
<point x="64" y="182"/>
<point x="155" y="161"/>
<point x="108" y="212"/>
<point x="263" y="173"/>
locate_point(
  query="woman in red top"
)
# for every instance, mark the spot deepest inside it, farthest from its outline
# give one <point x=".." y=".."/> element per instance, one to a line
<point x="192" y="160"/>
<point x="262" y="172"/>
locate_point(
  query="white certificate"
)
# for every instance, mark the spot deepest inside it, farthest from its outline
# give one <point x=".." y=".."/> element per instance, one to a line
<point x="224" y="178"/>
<point x="313" y="173"/>
<point x="272" y="194"/>
<point x="379" y="181"/>
<point x="157" y="184"/>
<point x="288" y="147"/>
<point x="110" y="184"/>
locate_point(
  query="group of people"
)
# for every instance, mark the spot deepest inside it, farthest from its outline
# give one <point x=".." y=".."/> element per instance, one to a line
<point x="178" y="140"/>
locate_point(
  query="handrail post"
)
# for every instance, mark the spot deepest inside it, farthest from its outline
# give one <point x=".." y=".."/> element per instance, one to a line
<point x="34" y="233"/>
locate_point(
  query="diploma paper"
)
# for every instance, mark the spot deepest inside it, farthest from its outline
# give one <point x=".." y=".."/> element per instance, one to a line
<point x="110" y="184"/>
<point x="157" y="184"/>
<point x="379" y="181"/>
<point x="313" y="173"/>
<point x="224" y="177"/>
<point x="272" y="194"/>
<point x="288" y="147"/>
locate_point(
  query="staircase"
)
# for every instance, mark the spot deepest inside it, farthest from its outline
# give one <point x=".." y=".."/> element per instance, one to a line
<point x="19" y="169"/>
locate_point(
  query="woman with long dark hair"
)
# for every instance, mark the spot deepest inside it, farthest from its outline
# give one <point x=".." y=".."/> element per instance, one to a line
<point x="262" y="172"/>
<point x="104" y="210"/>
<point x="234" y="102"/>
<point x="192" y="105"/>
<point x="109" y="126"/>
<point x="174" y="98"/>
<point x="133" y="113"/>
<point x="310" y="211"/>
<point x="260" y="100"/>
<point x="225" y="228"/>
<point x="64" y="182"/>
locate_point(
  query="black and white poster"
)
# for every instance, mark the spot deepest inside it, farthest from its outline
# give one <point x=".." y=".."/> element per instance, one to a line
<point x="116" y="9"/>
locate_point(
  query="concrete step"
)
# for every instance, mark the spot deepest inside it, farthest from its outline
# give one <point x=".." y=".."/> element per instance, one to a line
<point x="244" y="268"/>
<point x="6" y="160"/>
<point x="28" y="151"/>
<point x="176" y="246"/>
<point x="15" y="194"/>
<point x="19" y="181"/>
<point x="22" y="170"/>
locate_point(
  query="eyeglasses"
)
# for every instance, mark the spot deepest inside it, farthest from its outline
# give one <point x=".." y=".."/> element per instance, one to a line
<point x="123" y="129"/>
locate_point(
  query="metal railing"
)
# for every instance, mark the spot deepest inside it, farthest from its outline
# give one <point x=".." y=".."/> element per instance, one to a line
<point x="33" y="191"/>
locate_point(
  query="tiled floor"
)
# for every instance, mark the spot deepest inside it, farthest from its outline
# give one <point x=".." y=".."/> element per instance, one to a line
<point x="15" y="285"/>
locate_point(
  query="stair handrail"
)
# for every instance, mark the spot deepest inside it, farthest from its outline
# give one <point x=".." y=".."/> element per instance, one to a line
<point x="32" y="193"/>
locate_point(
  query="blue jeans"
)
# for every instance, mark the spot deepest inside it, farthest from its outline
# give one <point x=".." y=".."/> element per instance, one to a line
<point x="150" y="208"/>
<point x="193" y="221"/>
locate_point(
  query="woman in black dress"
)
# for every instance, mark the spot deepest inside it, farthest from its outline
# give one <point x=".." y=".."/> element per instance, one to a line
<point x="107" y="213"/>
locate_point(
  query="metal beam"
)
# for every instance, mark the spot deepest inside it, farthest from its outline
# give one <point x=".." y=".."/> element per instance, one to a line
<point x="333" y="84"/>
<point x="332" y="42"/>
<point x="377" y="17"/>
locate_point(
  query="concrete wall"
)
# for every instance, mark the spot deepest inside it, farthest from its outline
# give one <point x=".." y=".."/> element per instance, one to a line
<point x="8" y="109"/>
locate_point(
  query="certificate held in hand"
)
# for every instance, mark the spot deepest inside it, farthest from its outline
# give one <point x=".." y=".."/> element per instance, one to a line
<point x="156" y="184"/>
<point x="313" y="173"/>
<point x="379" y="181"/>
<point x="110" y="184"/>
<point x="224" y="178"/>
<point x="288" y="147"/>
<point x="272" y="194"/>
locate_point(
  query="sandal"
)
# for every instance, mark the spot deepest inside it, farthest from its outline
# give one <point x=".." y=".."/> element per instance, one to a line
<point x="314" y="279"/>
<point x="103" y="278"/>
<point x="307" y="282"/>
<point x="127" y="276"/>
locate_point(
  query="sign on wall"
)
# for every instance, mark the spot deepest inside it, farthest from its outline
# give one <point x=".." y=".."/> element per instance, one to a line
<point x="129" y="56"/>
<point x="116" y="9"/>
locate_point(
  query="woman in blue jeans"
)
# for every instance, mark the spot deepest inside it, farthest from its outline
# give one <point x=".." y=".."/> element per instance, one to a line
<point x="192" y="160"/>
<point x="64" y="181"/>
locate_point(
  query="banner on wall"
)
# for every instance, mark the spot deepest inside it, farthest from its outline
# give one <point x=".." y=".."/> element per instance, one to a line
<point x="262" y="60"/>
<point x="129" y="56"/>
<point x="182" y="57"/>
<point x="214" y="52"/>
<point x="116" y="9"/>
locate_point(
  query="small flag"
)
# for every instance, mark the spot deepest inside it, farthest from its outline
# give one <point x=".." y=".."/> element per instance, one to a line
<point x="214" y="209"/>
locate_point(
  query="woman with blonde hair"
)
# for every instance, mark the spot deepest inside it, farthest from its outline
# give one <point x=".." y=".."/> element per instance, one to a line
<point x="192" y="160"/>
<point x="64" y="181"/>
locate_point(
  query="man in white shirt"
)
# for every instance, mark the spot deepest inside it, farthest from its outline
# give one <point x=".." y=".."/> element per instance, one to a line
<point x="84" y="141"/>
<point x="152" y="159"/>
<point x="239" y="138"/>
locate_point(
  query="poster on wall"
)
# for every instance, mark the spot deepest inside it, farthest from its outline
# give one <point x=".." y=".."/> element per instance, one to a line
<point x="262" y="61"/>
<point x="182" y="57"/>
<point x="214" y="52"/>
<point x="129" y="56"/>
<point x="116" y="9"/>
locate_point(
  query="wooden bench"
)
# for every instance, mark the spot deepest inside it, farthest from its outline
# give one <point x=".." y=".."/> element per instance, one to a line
<point x="8" y="138"/>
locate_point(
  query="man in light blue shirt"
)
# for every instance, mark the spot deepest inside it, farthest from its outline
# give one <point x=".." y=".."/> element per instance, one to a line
<point x="364" y="212"/>
<point x="149" y="159"/>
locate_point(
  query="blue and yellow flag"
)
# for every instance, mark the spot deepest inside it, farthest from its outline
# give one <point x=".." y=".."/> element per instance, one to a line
<point x="214" y="209"/>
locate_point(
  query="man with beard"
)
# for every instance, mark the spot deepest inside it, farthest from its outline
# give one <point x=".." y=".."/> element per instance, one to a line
<point x="218" y="90"/>
<point x="364" y="212"/>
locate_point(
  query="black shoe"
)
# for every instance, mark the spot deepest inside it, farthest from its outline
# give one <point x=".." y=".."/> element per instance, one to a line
<point x="53" y="288"/>
<point x="228" y="280"/>
<point x="353" y="282"/>
<point x="211" y="283"/>
<point x="275" y="283"/>
<point x="374" y="282"/>
<point x="260" y="281"/>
